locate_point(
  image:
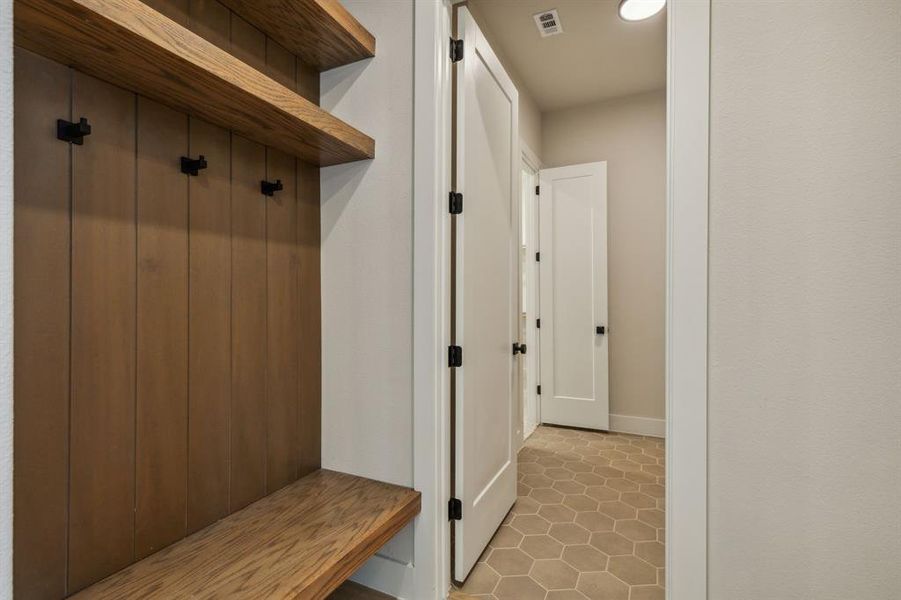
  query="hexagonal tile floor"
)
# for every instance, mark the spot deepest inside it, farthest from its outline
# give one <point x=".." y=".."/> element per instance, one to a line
<point x="588" y="523"/>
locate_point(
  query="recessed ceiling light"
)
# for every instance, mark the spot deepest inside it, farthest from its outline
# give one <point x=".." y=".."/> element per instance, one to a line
<point x="636" y="10"/>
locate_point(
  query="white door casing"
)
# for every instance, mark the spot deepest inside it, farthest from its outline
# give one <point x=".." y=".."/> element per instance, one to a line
<point x="529" y="299"/>
<point x="486" y="298"/>
<point x="574" y="355"/>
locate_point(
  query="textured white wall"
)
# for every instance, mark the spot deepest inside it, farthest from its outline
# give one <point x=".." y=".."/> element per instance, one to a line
<point x="6" y="299"/>
<point x="367" y="263"/>
<point x="805" y="301"/>
<point x="630" y="134"/>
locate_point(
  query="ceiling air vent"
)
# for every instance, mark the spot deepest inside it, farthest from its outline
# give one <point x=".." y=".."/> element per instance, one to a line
<point x="548" y="23"/>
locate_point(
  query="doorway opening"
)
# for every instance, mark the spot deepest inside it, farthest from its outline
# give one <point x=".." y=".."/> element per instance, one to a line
<point x="558" y="301"/>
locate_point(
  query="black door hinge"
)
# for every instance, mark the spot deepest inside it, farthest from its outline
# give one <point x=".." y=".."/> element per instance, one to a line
<point x="455" y="203"/>
<point x="454" y="356"/>
<point x="537" y="189"/>
<point x="539" y="390"/>
<point x="538" y="257"/>
<point x="456" y="50"/>
<point x="454" y="509"/>
<point x="538" y="323"/>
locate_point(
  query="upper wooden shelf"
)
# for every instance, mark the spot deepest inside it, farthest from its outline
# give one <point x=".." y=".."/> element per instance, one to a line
<point x="300" y="542"/>
<point x="128" y="43"/>
<point x="321" y="32"/>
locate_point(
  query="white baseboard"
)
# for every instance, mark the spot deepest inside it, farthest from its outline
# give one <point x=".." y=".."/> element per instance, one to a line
<point x="388" y="576"/>
<point x="638" y="425"/>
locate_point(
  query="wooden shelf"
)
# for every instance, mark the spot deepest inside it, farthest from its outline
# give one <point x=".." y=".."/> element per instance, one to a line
<point x="130" y="44"/>
<point x="321" y="32"/>
<point x="300" y="542"/>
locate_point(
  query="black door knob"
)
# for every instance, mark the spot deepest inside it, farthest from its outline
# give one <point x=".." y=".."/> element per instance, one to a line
<point x="519" y="348"/>
<point x="600" y="330"/>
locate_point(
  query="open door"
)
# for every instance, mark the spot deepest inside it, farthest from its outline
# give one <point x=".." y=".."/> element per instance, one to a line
<point x="574" y="369"/>
<point x="486" y="294"/>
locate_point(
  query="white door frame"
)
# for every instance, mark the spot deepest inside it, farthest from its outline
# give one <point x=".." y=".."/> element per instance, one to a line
<point x="530" y="161"/>
<point x="687" y="166"/>
<point x="688" y="82"/>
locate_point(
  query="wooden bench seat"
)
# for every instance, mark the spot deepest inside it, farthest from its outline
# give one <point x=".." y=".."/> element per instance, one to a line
<point x="302" y="541"/>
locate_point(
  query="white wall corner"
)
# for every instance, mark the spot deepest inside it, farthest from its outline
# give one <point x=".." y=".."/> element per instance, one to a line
<point x="6" y="300"/>
<point x="688" y="157"/>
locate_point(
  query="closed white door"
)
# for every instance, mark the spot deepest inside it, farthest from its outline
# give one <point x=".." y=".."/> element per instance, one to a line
<point x="486" y="294"/>
<point x="573" y="265"/>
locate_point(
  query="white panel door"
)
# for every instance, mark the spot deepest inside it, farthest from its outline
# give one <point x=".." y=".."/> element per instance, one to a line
<point x="486" y="301"/>
<point x="574" y="389"/>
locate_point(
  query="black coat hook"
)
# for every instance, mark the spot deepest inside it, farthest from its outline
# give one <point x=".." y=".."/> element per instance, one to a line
<point x="72" y="132"/>
<point x="269" y="188"/>
<point x="191" y="166"/>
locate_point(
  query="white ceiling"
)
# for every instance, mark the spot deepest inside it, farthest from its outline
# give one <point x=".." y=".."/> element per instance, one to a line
<point x="598" y="55"/>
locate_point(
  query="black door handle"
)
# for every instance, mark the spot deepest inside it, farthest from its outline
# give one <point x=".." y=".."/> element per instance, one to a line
<point x="600" y="330"/>
<point x="519" y="348"/>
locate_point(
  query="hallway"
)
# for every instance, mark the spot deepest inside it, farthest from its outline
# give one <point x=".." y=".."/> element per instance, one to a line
<point x="588" y="522"/>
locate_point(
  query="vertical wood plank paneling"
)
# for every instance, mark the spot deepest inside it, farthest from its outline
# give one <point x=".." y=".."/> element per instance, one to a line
<point x="309" y="331"/>
<point x="248" y="412"/>
<point x="41" y="329"/>
<point x="162" y="328"/>
<point x="280" y="64"/>
<point x="307" y="81"/>
<point x="194" y="317"/>
<point x="248" y="43"/>
<point x="177" y="10"/>
<point x="101" y="522"/>
<point x="283" y="303"/>
<point x="210" y="20"/>
<point x="210" y="327"/>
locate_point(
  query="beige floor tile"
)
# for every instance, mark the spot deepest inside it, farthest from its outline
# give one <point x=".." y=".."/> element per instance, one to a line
<point x="554" y="574"/>
<point x="617" y="510"/>
<point x="611" y="543"/>
<point x="548" y="496"/>
<point x="622" y="485"/>
<point x="519" y="588"/>
<point x="602" y="493"/>
<point x="602" y="586"/>
<point x="635" y="530"/>
<point x="580" y="503"/>
<point x="588" y="523"/>
<point x="589" y="479"/>
<point x="566" y="595"/>
<point x="632" y="570"/>
<point x="557" y="513"/>
<point x="653" y="517"/>
<point x="526" y="506"/>
<point x="529" y="524"/>
<point x="482" y="580"/>
<point x="647" y="592"/>
<point x="638" y="500"/>
<point x="651" y="552"/>
<point x="569" y="533"/>
<point x="510" y="561"/>
<point x="569" y="487"/>
<point x="541" y="546"/>
<point x="595" y="521"/>
<point x="507" y="537"/>
<point x="585" y="558"/>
